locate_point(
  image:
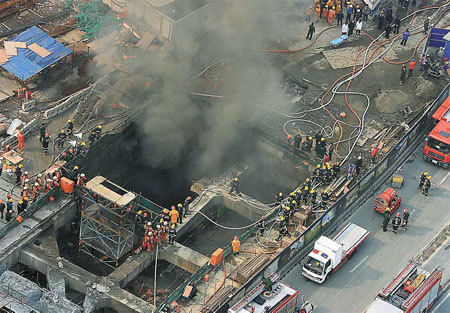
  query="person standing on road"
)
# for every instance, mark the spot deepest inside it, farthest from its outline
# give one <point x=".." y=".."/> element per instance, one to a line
<point x="2" y="208"/>
<point x="396" y="25"/>
<point x="331" y="16"/>
<point x="311" y="31"/>
<point x="386" y="218"/>
<point x="387" y="30"/>
<point x="42" y="132"/>
<point x="411" y="67"/>
<point x="396" y="222"/>
<point x="309" y="12"/>
<point x="403" y="74"/>
<point x="405" y="219"/>
<point x="423" y="176"/>
<point x="349" y="13"/>
<point x="380" y="20"/>
<point x="406" y="34"/>
<point x="339" y="17"/>
<point x="345" y="29"/>
<point x="426" y="24"/>
<point x="351" y="27"/>
<point x="317" y="13"/>
<point x="365" y="11"/>
<point x="426" y="185"/>
<point x="358" y="28"/>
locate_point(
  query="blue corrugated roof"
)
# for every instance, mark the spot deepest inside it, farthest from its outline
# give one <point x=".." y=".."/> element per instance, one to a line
<point x="27" y="63"/>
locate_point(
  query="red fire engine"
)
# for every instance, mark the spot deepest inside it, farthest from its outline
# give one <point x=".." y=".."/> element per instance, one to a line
<point x="437" y="145"/>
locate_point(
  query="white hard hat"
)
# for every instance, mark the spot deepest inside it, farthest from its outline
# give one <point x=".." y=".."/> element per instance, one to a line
<point x="25" y="173"/>
<point x="165" y="223"/>
<point x="55" y="178"/>
<point x="26" y="180"/>
<point x="25" y="188"/>
<point x="48" y="180"/>
<point x="39" y="175"/>
<point x="158" y="226"/>
<point x="82" y="175"/>
<point x="149" y="223"/>
<point x="36" y="184"/>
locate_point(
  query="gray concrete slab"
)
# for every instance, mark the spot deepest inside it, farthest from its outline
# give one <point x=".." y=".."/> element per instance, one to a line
<point x="353" y="287"/>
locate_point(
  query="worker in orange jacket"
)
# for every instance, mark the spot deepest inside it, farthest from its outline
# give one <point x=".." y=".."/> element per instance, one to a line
<point x="325" y="12"/>
<point x="236" y="244"/>
<point x="331" y="15"/>
<point x="411" y="67"/>
<point x="317" y="13"/>
<point x="174" y="216"/>
<point x="330" y="3"/>
<point x="20" y="139"/>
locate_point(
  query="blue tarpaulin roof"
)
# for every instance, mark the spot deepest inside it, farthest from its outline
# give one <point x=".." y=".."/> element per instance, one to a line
<point x="27" y="63"/>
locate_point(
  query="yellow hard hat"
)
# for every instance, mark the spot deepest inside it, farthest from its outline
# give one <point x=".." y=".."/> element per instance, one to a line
<point x="236" y="179"/>
<point x="292" y="194"/>
<point x="306" y="188"/>
<point x="26" y="198"/>
<point x="180" y="205"/>
<point x="425" y="173"/>
<point x="388" y="209"/>
<point x="326" y="190"/>
<point x="323" y="167"/>
<point x="83" y="143"/>
<point x="20" y="202"/>
<point x="322" y="139"/>
<point x="280" y="194"/>
<point x="62" y="130"/>
<point x="161" y="221"/>
<point x="429" y="177"/>
<point x="100" y="126"/>
<point x="294" y="202"/>
<point x="310" y="138"/>
<point x="282" y="218"/>
<point x="75" y="167"/>
<point x="173" y="226"/>
<point x="20" y="165"/>
<point x="69" y="121"/>
<point x="318" y="165"/>
<point x="288" y="208"/>
<point x="139" y="212"/>
<point x="307" y="179"/>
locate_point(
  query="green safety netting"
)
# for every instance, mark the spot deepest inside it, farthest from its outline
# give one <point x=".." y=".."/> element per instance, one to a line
<point x="92" y="17"/>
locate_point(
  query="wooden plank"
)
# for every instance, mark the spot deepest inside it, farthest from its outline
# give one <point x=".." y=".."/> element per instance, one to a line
<point x="10" y="49"/>
<point x="12" y="157"/>
<point x="40" y="51"/>
<point x="19" y="44"/>
<point x="3" y="56"/>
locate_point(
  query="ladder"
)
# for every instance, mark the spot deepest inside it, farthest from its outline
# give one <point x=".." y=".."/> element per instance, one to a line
<point x="386" y="291"/>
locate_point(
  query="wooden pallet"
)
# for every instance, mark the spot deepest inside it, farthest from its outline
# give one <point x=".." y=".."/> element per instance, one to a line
<point x="246" y="269"/>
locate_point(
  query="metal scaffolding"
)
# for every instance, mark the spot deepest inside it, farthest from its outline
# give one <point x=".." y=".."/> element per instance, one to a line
<point x="107" y="221"/>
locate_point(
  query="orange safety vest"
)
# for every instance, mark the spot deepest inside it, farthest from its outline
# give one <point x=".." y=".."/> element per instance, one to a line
<point x="412" y="65"/>
<point x="174" y="216"/>
<point x="236" y="244"/>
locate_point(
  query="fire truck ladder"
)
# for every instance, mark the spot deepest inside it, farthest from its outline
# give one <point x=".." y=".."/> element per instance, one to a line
<point x="422" y="288"/>
<point x="386" y="291"/>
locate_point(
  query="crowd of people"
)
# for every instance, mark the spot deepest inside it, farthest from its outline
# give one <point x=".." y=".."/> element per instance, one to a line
<point x="162" y="230"/>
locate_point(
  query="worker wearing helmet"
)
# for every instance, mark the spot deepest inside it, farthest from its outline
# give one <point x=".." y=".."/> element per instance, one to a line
<point x="235" y="186"/>
<point x="69" y="127"/>
<point x="335" y="169"/>
<point x="386" y="218"/>
<point x="20" y="207"/>
<point x="279" y="197"/>
<point x="236" y="245"/>
<point x="396" y="222"/>
<point x="174" y="215"/>
<point x="426" y="185"/>
<point x="61" y="138"/>
<point x="313" y="197"/>
<point x="180" y="213"/>
<point x="45" y="142"/>
<point x="18" y="173"/>
<point x="305" y="194"/>
<point x="2" y="208"/>
<point x="325" y="197"/>
<point x="186" y="204"/>
<point x="172" y="234"/>
<point x="308" y="183"/>
<point x="423" y="176"/>
<point x="287" y="214"/>
<point x="98" y="132"/>
<point x="262" y="226"/>
<point x="283" y="230"/>
<point x="405" y="219"/>
<point x="308" y="144"/>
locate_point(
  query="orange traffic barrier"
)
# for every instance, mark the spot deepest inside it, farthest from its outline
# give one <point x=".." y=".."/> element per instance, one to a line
<point x="67" y="185"/>
<point x="19" y="219"/>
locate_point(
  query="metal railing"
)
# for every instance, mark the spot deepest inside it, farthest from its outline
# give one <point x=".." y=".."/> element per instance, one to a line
<point x="432" y="246"/>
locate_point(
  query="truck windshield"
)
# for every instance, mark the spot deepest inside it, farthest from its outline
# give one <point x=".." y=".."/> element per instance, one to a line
<point x="438" y="145"/>
<point x="314" y="265"/>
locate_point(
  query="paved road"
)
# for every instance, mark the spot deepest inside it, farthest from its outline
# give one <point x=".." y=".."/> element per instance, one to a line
<point x="442" y="305"/>
<point x="380" y="257"/>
